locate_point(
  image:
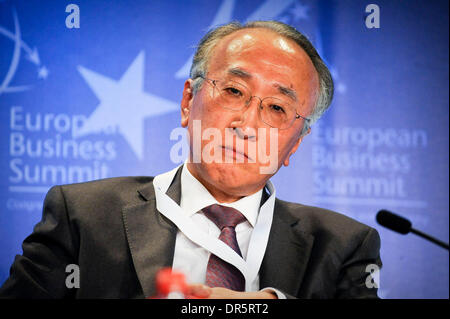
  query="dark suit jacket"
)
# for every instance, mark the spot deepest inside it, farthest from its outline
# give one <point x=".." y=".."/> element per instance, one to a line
<point x="112" y="230"/>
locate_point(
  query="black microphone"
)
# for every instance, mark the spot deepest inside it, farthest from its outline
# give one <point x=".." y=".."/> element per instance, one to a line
<point x="403" y="226"/>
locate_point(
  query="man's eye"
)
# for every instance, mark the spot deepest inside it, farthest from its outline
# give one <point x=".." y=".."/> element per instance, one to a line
<point x="233" y="91"/>
<point x="276" y="108"/>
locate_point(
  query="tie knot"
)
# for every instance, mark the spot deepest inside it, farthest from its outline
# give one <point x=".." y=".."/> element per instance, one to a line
<point x="223" y="216"/>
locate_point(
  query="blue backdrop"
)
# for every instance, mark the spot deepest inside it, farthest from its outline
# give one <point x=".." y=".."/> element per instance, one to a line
<point x="100" y="99"/>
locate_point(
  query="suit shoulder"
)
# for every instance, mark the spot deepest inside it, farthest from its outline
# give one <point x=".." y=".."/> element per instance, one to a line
<point x="104" y="189"/>
<point x="334" y="232"/>
<point x="108" y="183"/>
<point x="319" y="219"/>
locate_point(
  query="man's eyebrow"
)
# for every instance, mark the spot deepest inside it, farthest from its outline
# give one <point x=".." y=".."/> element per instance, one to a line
<point x="286" y="91"/>
<point x="282" y="89"/>
<point x="239" y="72"/>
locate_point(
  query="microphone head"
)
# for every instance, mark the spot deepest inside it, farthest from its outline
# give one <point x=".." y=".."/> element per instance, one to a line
<point x="394" y="222"/>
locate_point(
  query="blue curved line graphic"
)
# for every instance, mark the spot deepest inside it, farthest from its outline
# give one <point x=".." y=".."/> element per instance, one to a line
<point x="15" y="89"/>
<point x="16" y="55"/>
<point x="11" y="36"/>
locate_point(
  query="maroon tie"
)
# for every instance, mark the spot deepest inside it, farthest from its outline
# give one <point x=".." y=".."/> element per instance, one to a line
<point x="220" y="273"/>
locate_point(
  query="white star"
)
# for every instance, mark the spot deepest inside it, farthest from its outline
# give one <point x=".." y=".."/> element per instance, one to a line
<point x="124" y="104"/>
<point x="299" y="12"/>
<point x="42" y="73"/>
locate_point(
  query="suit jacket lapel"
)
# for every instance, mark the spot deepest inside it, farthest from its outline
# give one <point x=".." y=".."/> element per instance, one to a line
<point x="287" y="253"/>
<point x="151" y="236"/>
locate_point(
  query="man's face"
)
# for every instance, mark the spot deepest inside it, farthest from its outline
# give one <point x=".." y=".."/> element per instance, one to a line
<point x="269" y="65"/>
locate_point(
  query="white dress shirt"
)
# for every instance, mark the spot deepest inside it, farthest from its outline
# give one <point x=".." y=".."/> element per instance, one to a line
<point x="191" y="258"/>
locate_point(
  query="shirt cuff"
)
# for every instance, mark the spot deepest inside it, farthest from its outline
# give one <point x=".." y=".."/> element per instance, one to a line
<point x="279" y="294"/>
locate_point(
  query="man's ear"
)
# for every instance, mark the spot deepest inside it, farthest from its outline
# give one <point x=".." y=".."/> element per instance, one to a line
<point x="186" y="101"/>
<point x="295" y="147"/>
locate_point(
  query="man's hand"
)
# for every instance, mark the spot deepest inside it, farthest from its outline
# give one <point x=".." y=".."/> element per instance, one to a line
<point x="202" y="291"/>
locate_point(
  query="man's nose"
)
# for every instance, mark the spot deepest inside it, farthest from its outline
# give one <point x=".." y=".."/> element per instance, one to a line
<point x="247" y="125"/>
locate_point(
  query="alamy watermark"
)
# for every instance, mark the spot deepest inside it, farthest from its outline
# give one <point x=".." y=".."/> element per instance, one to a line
<point x="373" y="279"/>
<point x="373" y="18"/>
<point x="73" y="277"/>
<point x="231" y="146"/>
<point x="73" y="19"/>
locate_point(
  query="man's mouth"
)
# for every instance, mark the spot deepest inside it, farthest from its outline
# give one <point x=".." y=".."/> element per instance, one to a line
<point x="232" y="152"/>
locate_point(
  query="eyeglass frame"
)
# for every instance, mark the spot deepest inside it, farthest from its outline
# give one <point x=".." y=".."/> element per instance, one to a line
<point x="297" y="116"/>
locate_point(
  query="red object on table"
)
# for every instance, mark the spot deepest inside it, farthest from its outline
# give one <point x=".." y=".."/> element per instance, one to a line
<point x="171" y="285"/>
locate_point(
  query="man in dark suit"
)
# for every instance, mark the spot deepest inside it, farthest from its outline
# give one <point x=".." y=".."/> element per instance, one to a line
<point x="216" y="218"/>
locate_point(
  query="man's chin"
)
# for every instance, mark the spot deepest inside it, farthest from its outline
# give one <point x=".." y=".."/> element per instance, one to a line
<point x="236" y="176"/>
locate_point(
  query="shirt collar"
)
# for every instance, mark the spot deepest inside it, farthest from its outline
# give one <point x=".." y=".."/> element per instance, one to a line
<point x="194" y="197"/>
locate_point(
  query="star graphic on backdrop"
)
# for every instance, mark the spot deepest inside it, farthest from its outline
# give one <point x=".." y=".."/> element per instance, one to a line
<point x="123" y="104"/>
<point x="43" y="72"/>
<point x="299" y="12"/>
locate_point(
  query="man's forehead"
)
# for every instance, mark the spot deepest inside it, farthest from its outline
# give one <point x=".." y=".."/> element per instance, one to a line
<point x="258" y="44"/>
<point x="251" y="37"/>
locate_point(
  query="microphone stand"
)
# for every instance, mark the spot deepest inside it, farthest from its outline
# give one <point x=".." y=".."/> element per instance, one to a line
<point x="428" y="237"/>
